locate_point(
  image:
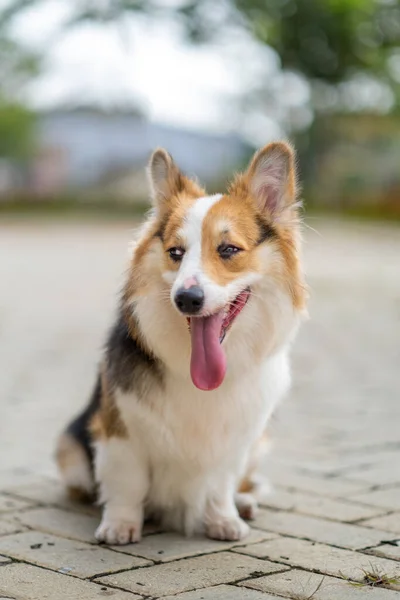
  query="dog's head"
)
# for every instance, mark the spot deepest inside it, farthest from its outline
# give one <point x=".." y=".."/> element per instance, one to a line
<point x="229" y="262"/>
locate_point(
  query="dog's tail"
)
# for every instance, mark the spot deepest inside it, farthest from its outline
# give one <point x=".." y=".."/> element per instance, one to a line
<point x="74" y="453"/>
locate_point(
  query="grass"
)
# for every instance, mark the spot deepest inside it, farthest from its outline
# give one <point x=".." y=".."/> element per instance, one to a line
<point x="306" y="595"/>
<point x="374" y="577"/>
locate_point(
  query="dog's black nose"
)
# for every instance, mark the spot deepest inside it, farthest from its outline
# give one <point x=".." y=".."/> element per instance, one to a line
<point x="190" y="301"/>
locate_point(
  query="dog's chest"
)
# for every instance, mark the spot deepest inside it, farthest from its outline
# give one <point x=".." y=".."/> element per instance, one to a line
<point x="185" y="423"/>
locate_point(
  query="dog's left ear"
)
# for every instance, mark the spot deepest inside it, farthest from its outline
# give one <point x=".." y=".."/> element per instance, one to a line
<point x="271" y="178"/>
<point x="165" y="177"/>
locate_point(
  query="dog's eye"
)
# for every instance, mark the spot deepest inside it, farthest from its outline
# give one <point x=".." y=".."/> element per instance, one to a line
<point x="228" y="250"/>
<point x="176" y="253"/>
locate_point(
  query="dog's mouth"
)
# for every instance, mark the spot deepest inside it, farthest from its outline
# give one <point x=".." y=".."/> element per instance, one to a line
<point x="208" y="361"/>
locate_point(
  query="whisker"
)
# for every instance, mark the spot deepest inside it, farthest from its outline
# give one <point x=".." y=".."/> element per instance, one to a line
<point x="312" y="229"/>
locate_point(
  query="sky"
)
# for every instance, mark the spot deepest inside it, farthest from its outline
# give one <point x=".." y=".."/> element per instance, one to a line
<point x="149" y="65"/>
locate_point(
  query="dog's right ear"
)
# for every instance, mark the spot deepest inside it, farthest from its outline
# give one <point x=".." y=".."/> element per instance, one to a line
<point x="165" y="177"/>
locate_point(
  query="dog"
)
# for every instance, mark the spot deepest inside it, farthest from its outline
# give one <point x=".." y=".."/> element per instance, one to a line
<point x="198" y="357"/>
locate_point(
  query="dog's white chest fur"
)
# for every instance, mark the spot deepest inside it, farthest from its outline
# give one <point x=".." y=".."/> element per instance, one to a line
<point x="188" y="441"/>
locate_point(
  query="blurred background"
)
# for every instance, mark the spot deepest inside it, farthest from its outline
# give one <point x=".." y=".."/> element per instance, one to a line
<point x="89" y="87"/>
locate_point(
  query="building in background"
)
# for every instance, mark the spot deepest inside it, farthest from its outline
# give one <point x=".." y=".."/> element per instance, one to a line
<point x="97" y="153"/>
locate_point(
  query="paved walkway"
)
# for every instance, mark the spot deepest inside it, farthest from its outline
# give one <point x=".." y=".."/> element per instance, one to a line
<point x="334" y="518"/>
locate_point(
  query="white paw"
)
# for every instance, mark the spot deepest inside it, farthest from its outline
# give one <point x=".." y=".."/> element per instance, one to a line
<point x="118" y="532"/>
<point x="231" y="529"/>
<point x="247" y="506"/>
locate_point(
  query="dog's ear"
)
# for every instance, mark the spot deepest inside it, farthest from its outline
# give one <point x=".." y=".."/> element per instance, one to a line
<point x="271" y="178"/>
<point x="165" y="177"/>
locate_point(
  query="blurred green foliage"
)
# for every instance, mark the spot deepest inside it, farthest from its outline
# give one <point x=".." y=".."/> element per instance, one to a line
<point x="16" y="130"/>
<point x="18" y="66"/>
<point x="322" y="39"/>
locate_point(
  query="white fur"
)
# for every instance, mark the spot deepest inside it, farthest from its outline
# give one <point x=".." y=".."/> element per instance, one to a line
<point x="187" y="449"/>
<point x="216" y="296"/>
<point x="190" y="236"/>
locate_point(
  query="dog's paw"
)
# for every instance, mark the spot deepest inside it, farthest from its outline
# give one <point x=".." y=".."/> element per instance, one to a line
<point x="231" y="529"/>
<point x="247" y="506"/>
<point x="118" y="532"/>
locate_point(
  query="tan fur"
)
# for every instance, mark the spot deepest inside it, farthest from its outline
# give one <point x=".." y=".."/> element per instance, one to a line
<point x="281" y="149"/>
<point x="168" y="182"/>
<point x="288" y="246"/>
<point x="70" y="455"/>
<point x="241" y="231"/>
<point x="286" y="225"/>
<point x="238" y="210"/>
<point x="248" y="484"/>
<point x="138" y="280"/>
<point x="113" y="425"/>
<point x="151" y="253"/>
<point x="96" y="427"/>
<point x="107" y="421"/>
<point x="66" y="451"/>
<point x="171" y="237"/>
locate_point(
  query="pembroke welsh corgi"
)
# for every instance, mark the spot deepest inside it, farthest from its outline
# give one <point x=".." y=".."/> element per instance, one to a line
<point x="198" y="356"/>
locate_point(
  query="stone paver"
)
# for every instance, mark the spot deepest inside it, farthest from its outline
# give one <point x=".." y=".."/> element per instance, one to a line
<point x="59" y="554"/>
<point x="9" y="504"/>
<point x="334" y="487"/>
<point x="307" y="586"/>
<point x="26" y="582"/>
<point x="387" y="550"/>
<point x="387" y="523"/>
<point x="328" y="532"/>
<point x="336" y="437"/>
<point x="4" y="560"/>
<point x="381" y="474"/>
<point x="60" y="522"/>
<point x="192" y="573"/>
<point x="222" y="592"/>
<point x="7" y="527"/>
<point x="386" y="498"/>
<point x="319" y="557"/>
<point x="50" y="492"/>
<point x="319" y="506"/>
<point x="165" y="547"/>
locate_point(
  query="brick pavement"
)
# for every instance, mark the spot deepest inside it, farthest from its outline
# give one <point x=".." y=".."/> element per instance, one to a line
<point x="335" y="509"/>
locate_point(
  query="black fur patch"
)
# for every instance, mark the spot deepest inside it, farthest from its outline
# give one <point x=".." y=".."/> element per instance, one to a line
<point x="266" y="231"/>
<point x="129" y="366"/>
<point x="79" y="428"/>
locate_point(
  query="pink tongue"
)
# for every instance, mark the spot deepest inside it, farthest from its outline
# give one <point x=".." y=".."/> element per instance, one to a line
<point x="208" y="362"/>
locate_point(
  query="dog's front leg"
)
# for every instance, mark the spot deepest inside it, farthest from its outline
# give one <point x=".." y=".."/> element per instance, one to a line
<point x="123" y="480"/>
<point x="221" y="519"/>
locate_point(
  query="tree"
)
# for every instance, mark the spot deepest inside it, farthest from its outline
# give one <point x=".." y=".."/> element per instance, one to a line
<point x="322" y="39"/>
<point x="328" y="42"/>
<point x="16" y="130"/>
<point x="17" y="67"/>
